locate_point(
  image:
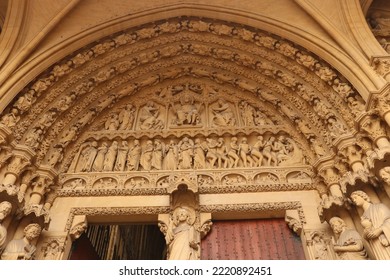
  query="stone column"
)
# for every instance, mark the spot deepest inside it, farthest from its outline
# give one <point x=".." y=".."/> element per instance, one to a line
<point x="375" y="130"/>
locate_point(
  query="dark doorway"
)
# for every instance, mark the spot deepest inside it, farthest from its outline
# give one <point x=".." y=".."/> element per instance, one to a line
<point x="119" y="242"/>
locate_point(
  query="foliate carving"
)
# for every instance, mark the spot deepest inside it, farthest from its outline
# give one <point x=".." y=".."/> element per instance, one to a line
<point x="374" y="128"/>
<point x="17" y="165"/>
<point x="382" y="66"/>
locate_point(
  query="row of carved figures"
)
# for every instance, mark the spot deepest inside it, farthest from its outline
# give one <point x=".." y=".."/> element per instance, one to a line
<point x="187" y="154"/>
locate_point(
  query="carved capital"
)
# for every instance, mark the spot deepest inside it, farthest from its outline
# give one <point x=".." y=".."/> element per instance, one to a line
<point x="17" y="165"/>
<point x="330" y="176"/>
<point x="374" y="127"/>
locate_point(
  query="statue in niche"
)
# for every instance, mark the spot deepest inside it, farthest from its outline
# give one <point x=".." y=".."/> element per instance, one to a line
<point x="51" y="250"/>
<point x="98" y="163"/>
<point x="349" y="244"/>
<point x="186" y="112"/>
<point x="171" y="156"/>
<point x="199" y="154"/>
<point x="181" y="237"/>
<point x="9" y="120"/>
<point x="68" y="136"/>
<point x="376" y="220"/>
<point x="24" y="102"/>
<point x="247" y="113"/>
<point x="5" y="210"/>
<point x="109" y="159"/>
<point x="134" y="156"/>
<point x="126" y="117"/>
<point x="112" y="122"/>
<point x="147" y="155"/>
<point x="336" y="128"/>
<point x="223" y="114"/>
<point x="245" y="150"/>
<point x="33" y="138"/>
<point x="320" y="248"/>
<point x="121" y="157"/>
<point x="23" y="249"/>
<point x="256" y="151"/>
<point x="186" y="153"/>
<point x="149" y="117"/>
<point x="158" y="154"/>
<point x="88" y="153"/>
<point x="222" y="153"/>
<point x="56" y="156"/>
<point x="232" y="154"/>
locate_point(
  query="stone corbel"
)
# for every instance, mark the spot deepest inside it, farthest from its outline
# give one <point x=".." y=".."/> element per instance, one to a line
<point x="79" y="226"/>
<point x="293" y="221"/>
<point x="381" y="65"/>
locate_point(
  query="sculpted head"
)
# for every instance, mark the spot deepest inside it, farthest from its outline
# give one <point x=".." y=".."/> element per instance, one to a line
<point x="337" y="224"/>
<point x="5" y="209"/>
<point x="359" y="197"/>
<point x="32" y="231"/>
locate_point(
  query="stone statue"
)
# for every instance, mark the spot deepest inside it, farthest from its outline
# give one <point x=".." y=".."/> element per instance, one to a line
<point x="232" y="154"/>
<point x="158" y="154"/>
<point x="223" y="114"/>
<point x="181" y="237"/>
<point x="109" y="159"/>
<point x="256" y="150"/>
<point x="9" y="120"/>
<point x="22" y="249"/>
<point x="320" y="248"/>
<point x="245" y="150"/>
<point x="377" y="228"/>
<point x="121" y="157"/>
<point x="349" y="244"/>
<point x="99" y="160"/>
<point x="112" y="123"/>
<point x="222" y="153"/>
<point x="133" y="157"/>
<point x="51" y="250"/>
<point x="268" y="154"/>
<point x="187" y="112"/>
<point x="147" y="155"/>
<point x="87" y="157"/>
<point x="5" y="210"/>
<point x="126" y="117"/>
<point x="171" y="156"/>
<point x="186" y="153"/>
<point x="149" y="117"/>
<point x="247" y="113"/>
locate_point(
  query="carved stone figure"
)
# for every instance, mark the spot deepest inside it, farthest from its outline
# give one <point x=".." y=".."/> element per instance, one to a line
<point x="320" y="248"/>
<point x="126" y="117"/>
<point x="378" y="215"/>
<point x="268" y="154"/>
<point x="223" y="114"/>
<point x="109" y="159"/>
<point x="112" y="123"/>
<point x="349" y="244"/>
<point x="186" y="153"/>
<point x="25" y="101"/>
<point x="222" y="154"/>
<point x="211" y="156"/>
<point x="187" y="112"/>
<point x="256" y="151"/>
<point x="232" y="154"/>
<point x="99" y="160"/>
<point x="9" y="120"/>
<point x="68" y="136"/>
<point x="120" y="162"/>
<point x="134" y="156"/>
<point x="181" y="237"/>
<point x="147" y="155"/>
<point x="87" y="157"/>
<point x="149" y="117"/>
<point x="158" y="154"/>
<point x="336" y="128"/>
<point x="52" y="250"/>
<point x="247" y="113"/>
<point x="171" y="156"/>
<point x="5" y="210"/>
<point x="245" y="150"/>
<point x="33" y="138"/>
<point x="22" y="249"/>
<point x="56" y="156"/>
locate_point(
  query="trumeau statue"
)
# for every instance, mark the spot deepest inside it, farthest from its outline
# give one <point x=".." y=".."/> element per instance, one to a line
<point x="376" y="223"/>
<point x="181" y="237"/>
<point x="349" y="244"/>
<point x="22" y="249"/>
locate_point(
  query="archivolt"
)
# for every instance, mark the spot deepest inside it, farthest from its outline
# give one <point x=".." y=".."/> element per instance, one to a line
<point x="289" y="80"/>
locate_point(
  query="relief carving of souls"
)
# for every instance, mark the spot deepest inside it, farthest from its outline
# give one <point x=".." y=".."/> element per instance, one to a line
<point x="186" y="112"/>
<point x="149" y="117"/>
<point x="223" y="114"/>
